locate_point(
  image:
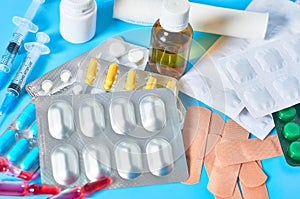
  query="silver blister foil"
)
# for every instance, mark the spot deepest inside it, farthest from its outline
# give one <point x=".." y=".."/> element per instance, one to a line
<point x="132" y="136"/>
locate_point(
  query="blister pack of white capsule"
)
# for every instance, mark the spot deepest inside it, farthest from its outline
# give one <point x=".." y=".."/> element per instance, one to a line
<point x="132" y="136"/>
<point x="68" y="74"/>
<point x="19" y="153"/>
<point x="266" y="78"/>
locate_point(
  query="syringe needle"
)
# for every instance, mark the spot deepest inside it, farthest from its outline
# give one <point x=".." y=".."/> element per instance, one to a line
<point x="24" y="26"/>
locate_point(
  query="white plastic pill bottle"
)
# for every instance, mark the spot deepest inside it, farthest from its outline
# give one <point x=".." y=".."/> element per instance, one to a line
<point x="78" y="20"/>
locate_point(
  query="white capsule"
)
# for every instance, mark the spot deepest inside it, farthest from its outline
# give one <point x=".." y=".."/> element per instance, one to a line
<point x="91" y="118"/>
<point x="129" y="160"/>
<point x="60" y="120"/>
<point x="122" y="115"/>
<point x="153" y="113"/>
<point x="160" y="157"/>
<point x="96" y="159"/>
<point x="65" y="165"/>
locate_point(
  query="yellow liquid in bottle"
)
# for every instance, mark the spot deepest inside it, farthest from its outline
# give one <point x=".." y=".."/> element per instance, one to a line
<point x="169" y="51"/>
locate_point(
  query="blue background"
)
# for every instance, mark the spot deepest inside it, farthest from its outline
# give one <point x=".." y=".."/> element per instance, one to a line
<point x="283" y="181"/>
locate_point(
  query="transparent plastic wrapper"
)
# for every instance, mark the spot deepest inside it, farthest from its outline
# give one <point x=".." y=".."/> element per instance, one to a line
<point x="114" y="50"/>
<point x="283" y="24"/>
<point x="266" y="78"/>
<point x="18" y="146"/>
<point x="134" y="137"/>
<point x="287" y="123"/>
<point x="210" y="85"/>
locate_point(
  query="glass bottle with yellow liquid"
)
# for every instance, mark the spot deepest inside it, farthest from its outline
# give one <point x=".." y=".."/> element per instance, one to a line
<point x="171" y="39"/>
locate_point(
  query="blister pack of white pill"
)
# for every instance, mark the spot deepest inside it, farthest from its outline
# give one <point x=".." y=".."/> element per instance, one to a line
<point x="64" y="76"/>
<point x="260" y="127"/>
<point x="132" y="136"/>
<point x="266" y="78"/>
<point x="211" y="88"/>
<point x="216" y="97"/>
<point x="283" y="23"/>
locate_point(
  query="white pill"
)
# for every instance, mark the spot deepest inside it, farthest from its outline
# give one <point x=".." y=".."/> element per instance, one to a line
<point x="117" y="49"/>
<point x="65" y="76"/>
<point x="78" y="89"/>
<point x="47" y="85"/>
<point x="97" y="91"/>
<point x="135" y="55"/>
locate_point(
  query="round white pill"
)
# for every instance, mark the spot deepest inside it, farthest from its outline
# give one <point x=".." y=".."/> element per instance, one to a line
<point x="78" y="89"/>
<point x="135" y="55"/>
<point x="117" y="49"/>
<point x="47" y="85"/>
<point x="97" y="91"/>
<point x="65" y="76"/>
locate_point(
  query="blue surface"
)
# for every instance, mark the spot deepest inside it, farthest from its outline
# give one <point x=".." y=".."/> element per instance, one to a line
<point x="283" y="181"/>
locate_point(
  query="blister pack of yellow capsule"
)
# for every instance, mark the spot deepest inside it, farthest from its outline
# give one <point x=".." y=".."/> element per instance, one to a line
<point x="100" y="74"/>
<point x="68" y="75"/>
<point x="139" y="80"/>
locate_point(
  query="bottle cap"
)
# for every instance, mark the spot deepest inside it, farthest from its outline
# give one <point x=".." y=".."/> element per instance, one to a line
<point x="175" y="15"/>
<point x="77" y="7"/>
<point x="78" y="20"/>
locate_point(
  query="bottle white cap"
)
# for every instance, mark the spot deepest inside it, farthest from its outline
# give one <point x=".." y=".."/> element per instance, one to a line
<point x="78" y="20"/>
<point x="77" y="7"/>
<point x="175" y="15"/>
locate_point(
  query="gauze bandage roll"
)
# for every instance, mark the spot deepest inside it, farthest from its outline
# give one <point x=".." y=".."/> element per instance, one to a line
<point x="204" y="18"/>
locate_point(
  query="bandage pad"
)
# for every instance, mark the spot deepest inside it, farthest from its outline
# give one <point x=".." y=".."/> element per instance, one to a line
<point x="287" y="123"/>
<point x="216" y="126"/>
<point x="214" y="136"/>
<point x="252" y="175"/>
<point x="253" y="181"/>
<point x="195" y="132"/>
<point x="260" y="192"/>
<point x="223" y="178"/>
<point x="241" y="151"/>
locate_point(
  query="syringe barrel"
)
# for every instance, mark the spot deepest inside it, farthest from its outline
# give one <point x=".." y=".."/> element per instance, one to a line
<point x="11" y="52"/>
<point x="20" y="79"/>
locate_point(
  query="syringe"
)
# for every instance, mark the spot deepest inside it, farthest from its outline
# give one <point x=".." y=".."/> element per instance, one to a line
<point x="24" y="26"/>
<point x="35" y="49"/>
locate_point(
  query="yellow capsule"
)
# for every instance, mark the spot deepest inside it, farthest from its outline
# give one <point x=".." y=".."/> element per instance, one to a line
<point x="170" y="84"/>
<point x="111" y="76"/>
<point x="151" y="83"/>
<point x="130" y="81"/>
<point x="91" y="72"/>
